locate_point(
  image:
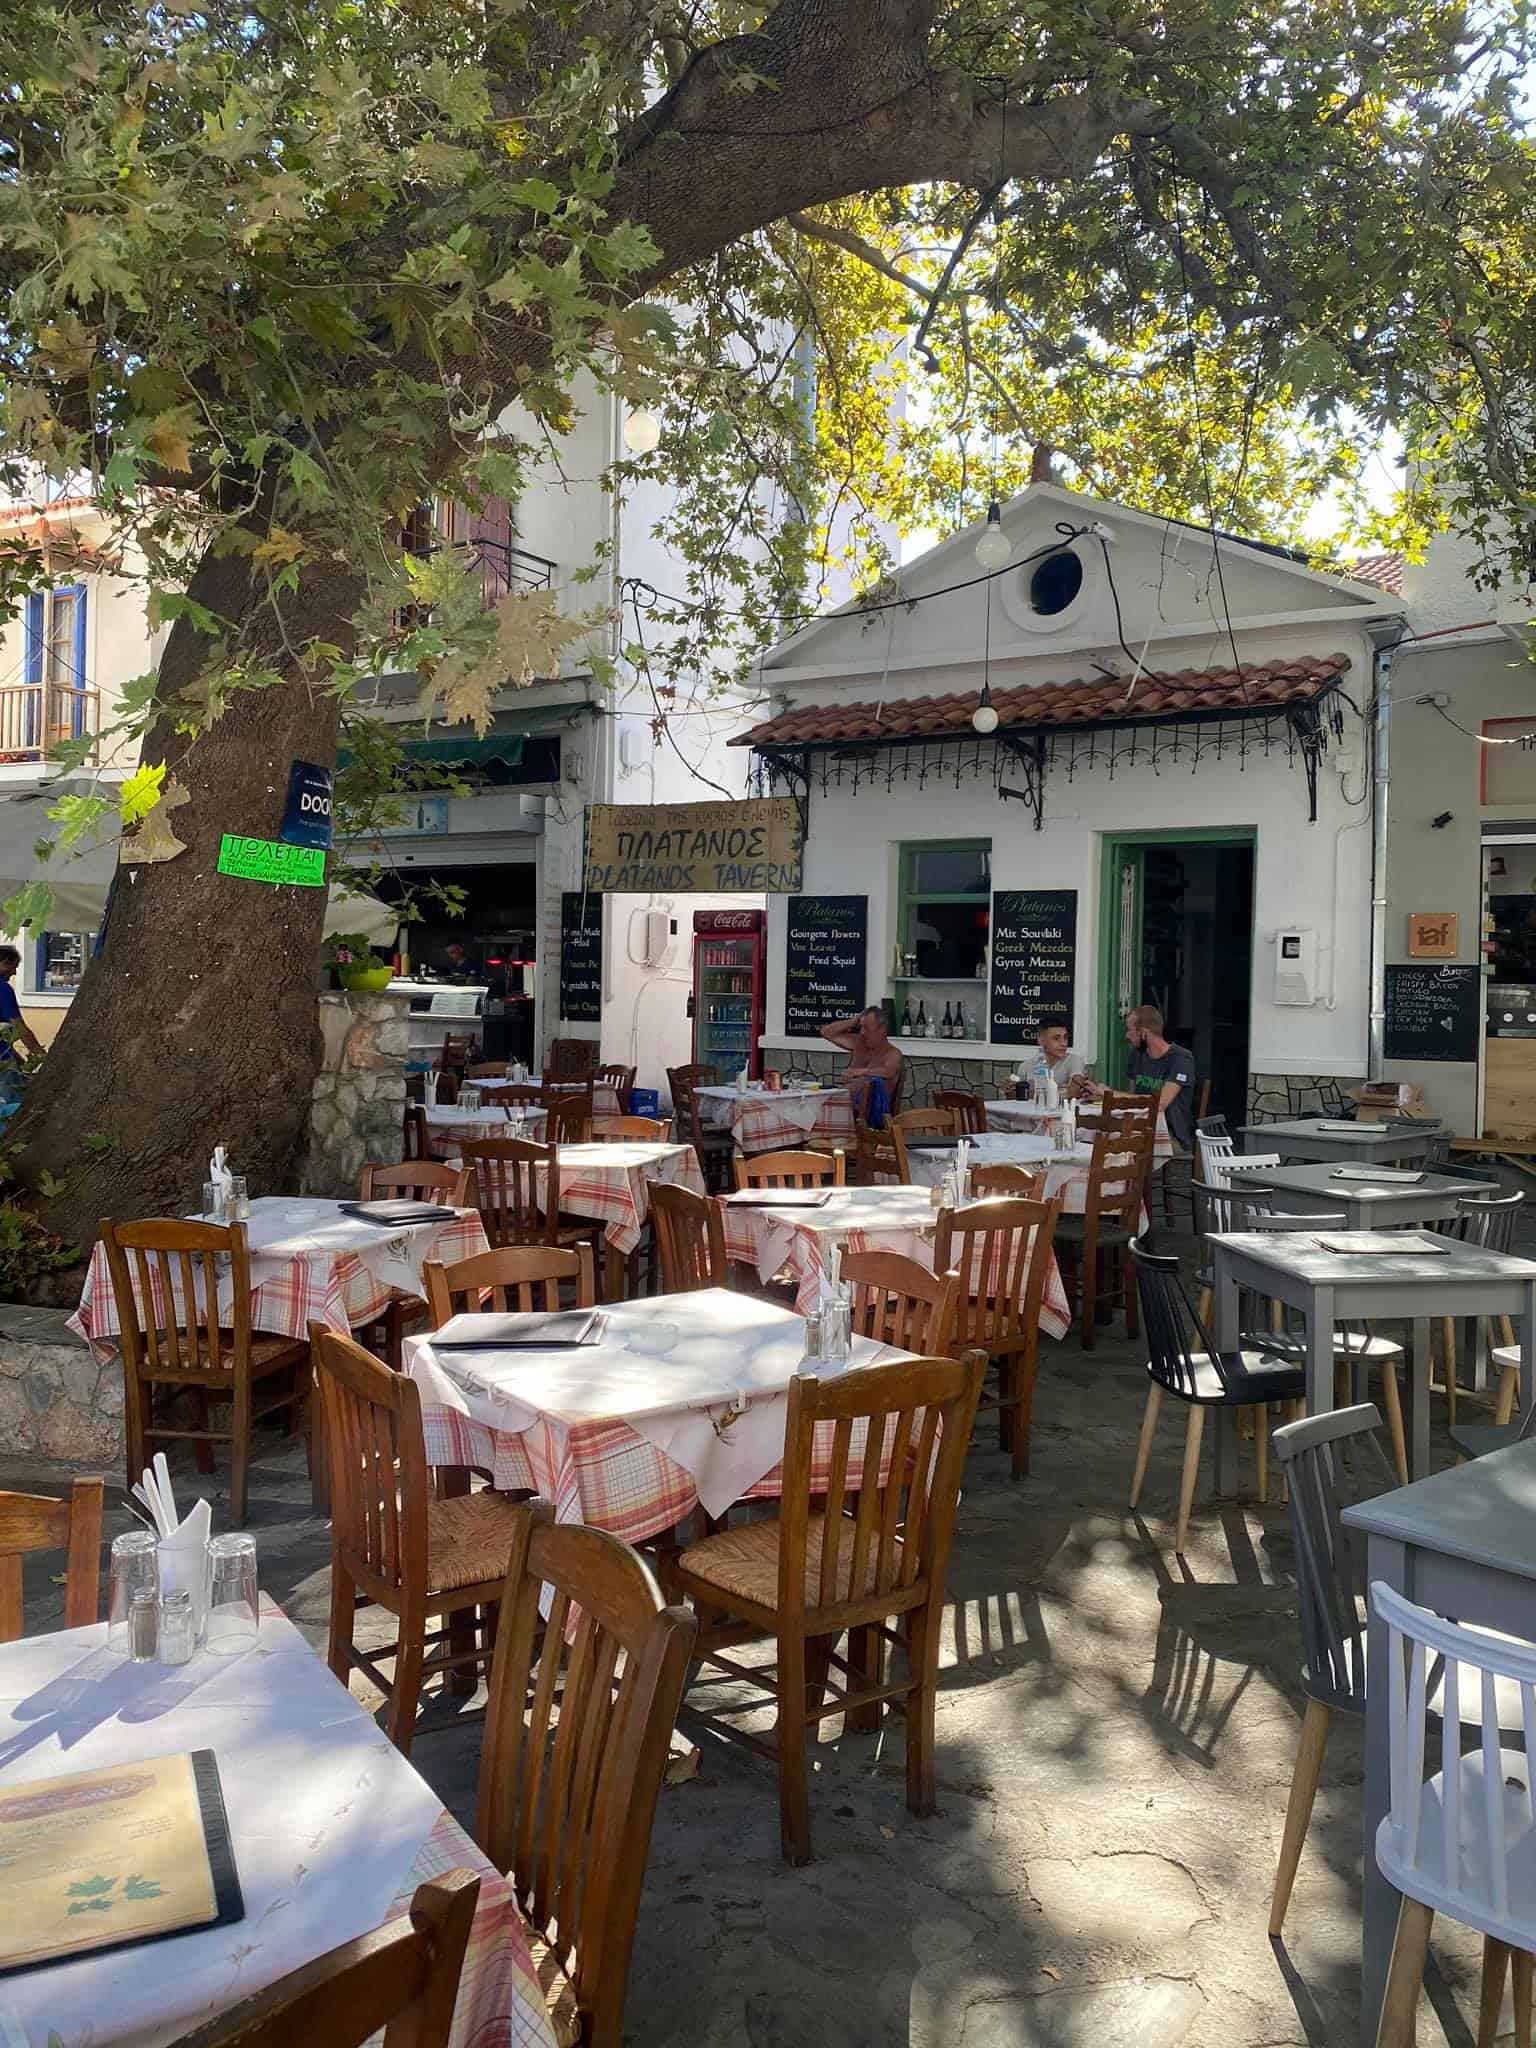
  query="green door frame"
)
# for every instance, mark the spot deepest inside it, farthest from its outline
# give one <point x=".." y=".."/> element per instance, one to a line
<point x="1109" y="1063"/>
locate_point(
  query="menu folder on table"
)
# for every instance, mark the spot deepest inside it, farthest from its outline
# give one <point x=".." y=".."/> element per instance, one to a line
<point x="397" y="1212"/>
<point x="1399" y="1176"/>
<point x="137" y="1851"/>
<point x="1390" y="1243"/>
<point x="559" y="1329"/>
<point x="778" y="1198"/>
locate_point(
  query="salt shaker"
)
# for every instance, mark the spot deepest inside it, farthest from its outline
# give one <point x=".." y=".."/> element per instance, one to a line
<point x="143" y="1625"/>
<point x="178" y="1628"/>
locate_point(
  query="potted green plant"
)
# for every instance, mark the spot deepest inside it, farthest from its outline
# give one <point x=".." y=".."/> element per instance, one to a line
<point x="357" y="967"/>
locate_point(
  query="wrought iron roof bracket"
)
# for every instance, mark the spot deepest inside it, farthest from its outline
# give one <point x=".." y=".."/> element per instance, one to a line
<point x="793" y="764"/>
<point x="1305" y="721"/>
<point x="1030" y="755"/>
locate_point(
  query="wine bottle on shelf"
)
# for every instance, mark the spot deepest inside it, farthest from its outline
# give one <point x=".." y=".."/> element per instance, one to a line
<point x="906" y="1018"/>
<point x="959" y="1030"/>
<point x="947" y="1028"/>
<point x="920" y="1029"/>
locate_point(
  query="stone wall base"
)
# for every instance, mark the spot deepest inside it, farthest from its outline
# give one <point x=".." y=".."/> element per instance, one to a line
<point x="57" y="1399"/>
<point x="357" y="1112"/>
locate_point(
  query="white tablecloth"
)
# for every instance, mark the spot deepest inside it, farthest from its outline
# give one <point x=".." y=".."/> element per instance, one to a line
<point x="328" y="1823"/>
<point x="1030" y="1118"/>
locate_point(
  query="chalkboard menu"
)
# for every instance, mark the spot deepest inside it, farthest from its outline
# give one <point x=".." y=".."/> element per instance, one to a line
<point x="1433" y="1013"/>
<point x="1034" y="961"/>
<point x="826" y="952"/>
<point x="581" y="956"/>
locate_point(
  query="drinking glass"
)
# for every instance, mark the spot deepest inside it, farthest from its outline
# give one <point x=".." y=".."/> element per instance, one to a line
<point x="233" y="1600"/>
<point x="211" y="1211"/>
<point x="135" y="1568"/>
<point x="836" y="1331"/>
<point x="178" y="1628"/>
<point x="239" y="1199"/>
<point x="813" y="1333"/>
<point x="469" y="1097"/>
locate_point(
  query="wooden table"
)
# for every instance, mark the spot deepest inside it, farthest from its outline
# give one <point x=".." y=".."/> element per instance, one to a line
<point x="332" y="1831"/>
<point x="1365" y="1205"/>
<point x="681" y="1403"/>
<point x="1447" y="1278"/>
<point x="1464" y="1544"/>
<point x="1324" y="1138"/>
<point x="780" y="1119"/>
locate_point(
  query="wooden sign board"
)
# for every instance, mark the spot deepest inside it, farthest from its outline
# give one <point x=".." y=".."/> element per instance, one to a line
<point x="751" y="848"/>
<point x="1432" y="934"/>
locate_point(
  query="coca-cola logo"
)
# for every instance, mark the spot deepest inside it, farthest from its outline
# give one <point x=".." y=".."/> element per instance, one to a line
<point x="726" y="921"/>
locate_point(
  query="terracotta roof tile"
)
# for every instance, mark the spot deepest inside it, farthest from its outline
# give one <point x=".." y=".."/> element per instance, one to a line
<point x="1385" y="572"/>
<point x="1187" y="691"/>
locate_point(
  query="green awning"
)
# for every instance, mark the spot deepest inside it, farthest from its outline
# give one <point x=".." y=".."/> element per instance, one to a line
<point x="462" y="747"/>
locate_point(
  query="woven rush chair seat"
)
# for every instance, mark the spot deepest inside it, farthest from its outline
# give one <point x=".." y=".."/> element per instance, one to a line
<point x="745" y="1563"/>
<point x="468" y="1541"/>
<point x="268" y="1352"/>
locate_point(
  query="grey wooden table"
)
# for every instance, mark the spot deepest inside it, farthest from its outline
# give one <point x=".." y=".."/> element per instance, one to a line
<point x="1464" y="1544"/>
<point x="1447" y="1278"/>
<point x="1365" y="1205"/>
<point x="1322" y="1138"/>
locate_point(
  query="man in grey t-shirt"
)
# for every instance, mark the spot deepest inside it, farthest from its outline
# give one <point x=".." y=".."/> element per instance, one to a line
<point x="1159" y="1067"/>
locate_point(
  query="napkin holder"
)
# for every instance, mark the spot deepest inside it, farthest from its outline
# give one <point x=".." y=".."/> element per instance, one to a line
<point x="182" y="1558"/>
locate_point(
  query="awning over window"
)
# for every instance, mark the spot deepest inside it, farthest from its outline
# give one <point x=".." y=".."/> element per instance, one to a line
<point x="460" y="746"/>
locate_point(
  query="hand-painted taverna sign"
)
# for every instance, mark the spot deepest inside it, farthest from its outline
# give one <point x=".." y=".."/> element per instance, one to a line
<point x="753" y="848"/>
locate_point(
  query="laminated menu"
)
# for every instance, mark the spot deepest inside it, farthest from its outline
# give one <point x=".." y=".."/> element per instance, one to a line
<point x="97" y="1859"/>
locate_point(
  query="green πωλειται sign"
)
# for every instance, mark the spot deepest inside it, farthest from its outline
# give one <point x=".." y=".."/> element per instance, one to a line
<point x="270" y="860"/>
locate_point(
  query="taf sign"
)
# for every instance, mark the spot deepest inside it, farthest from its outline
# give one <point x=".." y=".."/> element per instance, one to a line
<point x="307" y="814"/>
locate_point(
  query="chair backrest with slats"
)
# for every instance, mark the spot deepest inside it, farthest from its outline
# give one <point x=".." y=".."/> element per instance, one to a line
<point x="1117" y="1173"/>
<point x="512" y="1095"/>
<point x="1485" y="1809"/>
<point x="927" y="1123"/>
<point x="568" y="1117"/>
<point x="486" y="1070"/>
<point x="684" y="1083"/>
<point x="1488" y="1221"/>
<point x="404" y="1978"/>
<point x="1320" y="1453"/>
<point x="1029" y="1182"/>
<point x="690" y="1239"/>
<point x="1216" y="1149"/>
<point x="572" y="1058"/>
<point x="878" y="1155"/>
<point x="31" y="1522"/>
<point x="1214" y="1206"/>
<point x="428" y="1178"/>
<point x="567" y="1797"/>
<point x="165" y="1280"/>
<point x="898" y="1302"/>
<point x="377" y="1464"/>
<point x="791" y="1170"/>
<point x="899" y="1435"/>
<point x="1002" y="1249"/>
<point x="968" y="1110"/>
<point x="621" y="1080"/>
<point x="615" y="1130"/>
<point x="1176" y="1336"/>
<point x="512" y="1280"/>
<point x="507" y="1176"/>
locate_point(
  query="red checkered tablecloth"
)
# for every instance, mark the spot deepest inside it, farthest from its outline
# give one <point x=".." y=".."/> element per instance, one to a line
<point x="762" y="1238"/>
<point x="784" y="1120"/>
<point x="500" y="2004"/>
<point x="610" y="1182"/>
<point x="337" y="1288"/>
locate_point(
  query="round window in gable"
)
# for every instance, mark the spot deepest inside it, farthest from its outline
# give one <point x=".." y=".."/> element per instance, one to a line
<point x="1054" y="582"/>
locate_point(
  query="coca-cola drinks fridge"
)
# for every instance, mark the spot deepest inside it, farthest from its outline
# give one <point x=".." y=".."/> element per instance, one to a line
<point x="729" y="970"/>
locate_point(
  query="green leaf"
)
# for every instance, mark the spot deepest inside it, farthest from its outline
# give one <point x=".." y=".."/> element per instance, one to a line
<point x="32" y="904"/>
<point x="90" y="1887"/>
<point x="77" y="815"/>
<point x="141" y="792"/>
<point x="97" y="1141"/>
<point x="535" y="193"/>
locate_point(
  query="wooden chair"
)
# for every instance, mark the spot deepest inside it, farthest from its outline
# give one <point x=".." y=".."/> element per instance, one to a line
<point x="415" y="1135"/>
<point x="513" y="1280"/>
<point x="34" y="1521"/>
<point x="506" y="1174"/>
<point x="877" y="1155"/>
<point x="486" y="1070"/>
<point x="427" y="1178"/>
<point x="1002" y="1252"/>
<point x="566" y="1802"/>
<point x="423" y="1560"/>
<point x="927" y="1123"/>
<point x="876" y="1546"/>
<point x="1183" y="1361"/>
<point x="968" y="1110"/>
<point x="690" y="1239"/>
<point x="404" y="1978"/>
<point x="513" y="1095"/>
<point x="712" y="1148"/>
<point x="568" y="1118"/>
<point x="1025" y="1181"/>
<point x="571" y="1059"/>
<point x="165" y="1278"/>
<point x="1100" y="1237"/>
<point x="792" y="1170"/>
<point x="621" y="1080"/>
<point x="896" y="1301"/>
<point x="650" y="1130"/>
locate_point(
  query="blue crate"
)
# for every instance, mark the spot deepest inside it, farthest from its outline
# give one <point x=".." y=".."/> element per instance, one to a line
<point x="644" y="1102"/>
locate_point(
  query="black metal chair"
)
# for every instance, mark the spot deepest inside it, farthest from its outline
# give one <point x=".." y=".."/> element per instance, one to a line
<point x="1184" y="1362"/>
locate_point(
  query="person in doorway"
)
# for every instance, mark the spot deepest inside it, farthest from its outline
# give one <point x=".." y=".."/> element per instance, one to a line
<point x="14" y="1029"/>
<point x="1054" y="1057"/>
<point x="1159" y="1067"/>
<point x="871" y="1055"/>
<point x="455" y="965"/>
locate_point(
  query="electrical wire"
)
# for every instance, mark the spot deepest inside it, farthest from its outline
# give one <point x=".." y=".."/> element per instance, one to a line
<point x="730" y="795"/>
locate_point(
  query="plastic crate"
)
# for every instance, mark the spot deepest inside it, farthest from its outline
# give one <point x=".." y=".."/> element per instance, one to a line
<point x="644" y="1102"/>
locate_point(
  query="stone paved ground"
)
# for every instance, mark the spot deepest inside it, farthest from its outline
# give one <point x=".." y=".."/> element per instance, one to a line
<point x="1116" y="1730"/>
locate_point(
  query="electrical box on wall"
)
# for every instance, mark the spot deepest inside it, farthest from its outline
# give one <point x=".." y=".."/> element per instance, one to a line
<point x="649" y="931"/>
<point x="1295" y="965"/>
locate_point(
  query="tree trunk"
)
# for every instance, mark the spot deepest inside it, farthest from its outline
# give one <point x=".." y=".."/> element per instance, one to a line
<point x="197" y="1022"/>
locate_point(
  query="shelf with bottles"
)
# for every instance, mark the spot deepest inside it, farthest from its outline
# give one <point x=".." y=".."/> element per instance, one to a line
<point x="948" y="1025"/>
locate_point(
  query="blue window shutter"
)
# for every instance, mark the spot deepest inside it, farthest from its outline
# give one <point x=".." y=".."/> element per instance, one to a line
<point x="34" y="639"/>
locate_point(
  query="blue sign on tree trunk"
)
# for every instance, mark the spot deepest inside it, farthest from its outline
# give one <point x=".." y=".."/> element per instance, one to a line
<point x="307" y="814"/>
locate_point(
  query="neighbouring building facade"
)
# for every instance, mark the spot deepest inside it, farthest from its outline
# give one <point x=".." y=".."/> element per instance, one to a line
<point x="1174" y="805"/>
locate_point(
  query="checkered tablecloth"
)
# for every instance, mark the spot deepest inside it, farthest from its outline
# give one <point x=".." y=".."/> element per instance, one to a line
<point x="500" y="2004"/>
<point x="610" y="1182"/>
<point x="293" y="1288"/>
<point x="782" y="1120"/>
<point x="1029" y="1117"/>
<point x="449" y="1128"/>
<point x="878" y="1219"/>
<point x="1066" y="1173"/>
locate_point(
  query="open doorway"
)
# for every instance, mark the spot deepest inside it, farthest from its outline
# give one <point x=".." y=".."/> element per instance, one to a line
<point x="1178" y="932"/>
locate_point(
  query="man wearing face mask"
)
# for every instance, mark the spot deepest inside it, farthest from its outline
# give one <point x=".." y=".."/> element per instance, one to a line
<point x="1158" y="1067"/>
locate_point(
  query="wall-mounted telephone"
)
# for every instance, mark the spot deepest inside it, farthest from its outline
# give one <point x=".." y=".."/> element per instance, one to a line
<point x="1296" y="965"/>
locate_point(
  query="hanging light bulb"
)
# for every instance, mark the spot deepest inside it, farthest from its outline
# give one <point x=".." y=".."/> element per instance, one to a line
<point x="642" y="432"/>
<point x="984" y="717"/>
<point x="994" y="550"/>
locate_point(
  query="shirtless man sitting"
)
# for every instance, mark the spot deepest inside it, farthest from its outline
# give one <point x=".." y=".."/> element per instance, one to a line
<point x="870" y="1052"/>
